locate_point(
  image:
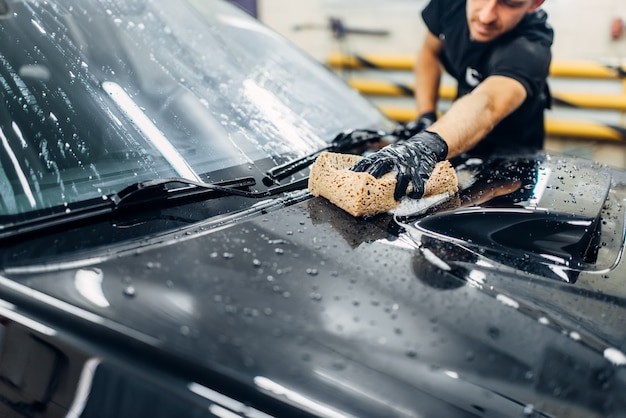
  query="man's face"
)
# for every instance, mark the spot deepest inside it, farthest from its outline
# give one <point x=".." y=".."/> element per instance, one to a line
<point x="488" y="19"/>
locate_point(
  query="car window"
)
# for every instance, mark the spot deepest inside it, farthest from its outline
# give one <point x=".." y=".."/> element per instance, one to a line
<point x="97" y="95"/>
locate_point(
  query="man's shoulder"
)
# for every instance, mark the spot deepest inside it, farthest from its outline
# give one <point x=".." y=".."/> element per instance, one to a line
<point x="447" y="5"/>
<point x="444" y="11"/>
<point x="535" y="28"/>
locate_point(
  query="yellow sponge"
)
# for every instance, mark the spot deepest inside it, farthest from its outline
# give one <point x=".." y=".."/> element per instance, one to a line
<point x="362" y="194"/>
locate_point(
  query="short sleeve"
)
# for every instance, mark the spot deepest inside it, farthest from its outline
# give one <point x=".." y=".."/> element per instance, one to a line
<point x="431" y="15"/>
<point x="525" y="61"/>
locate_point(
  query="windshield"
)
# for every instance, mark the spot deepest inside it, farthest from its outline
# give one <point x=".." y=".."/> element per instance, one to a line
<point x="100" y="94"/>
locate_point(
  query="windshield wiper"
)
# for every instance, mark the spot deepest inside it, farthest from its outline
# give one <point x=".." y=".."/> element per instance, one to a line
<point x="166" y="189"/>
<point x="142" y="194"/>
<point x="345" y="142"/>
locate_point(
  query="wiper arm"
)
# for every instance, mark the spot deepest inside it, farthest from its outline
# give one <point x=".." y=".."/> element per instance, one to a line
<point x="160" y="189"/>
<point x="345" y="142"/>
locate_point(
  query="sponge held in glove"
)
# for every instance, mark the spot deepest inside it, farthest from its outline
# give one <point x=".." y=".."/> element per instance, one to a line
<point x="362" y="194"/>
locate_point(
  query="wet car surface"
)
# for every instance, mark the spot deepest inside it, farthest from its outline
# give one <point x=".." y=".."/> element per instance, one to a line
<point x="130" y="289"/>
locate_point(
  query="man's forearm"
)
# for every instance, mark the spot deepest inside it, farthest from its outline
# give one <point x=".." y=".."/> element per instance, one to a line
<point x="464" y="124"/>
<point x="473" y="116"/>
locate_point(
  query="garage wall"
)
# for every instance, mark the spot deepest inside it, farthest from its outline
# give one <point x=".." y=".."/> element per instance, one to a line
<point x="582" y="32"/>
<point x="582" y="27"/>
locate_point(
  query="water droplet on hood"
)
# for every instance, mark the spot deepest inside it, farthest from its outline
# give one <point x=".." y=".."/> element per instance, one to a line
<point x="615" y="356"/>
<point x="493" y="332"/>
<point x="130" y="291"/>
<point x="411" y="354"/>
<point x="316" y="296"/>
<point x="529" y="410"/>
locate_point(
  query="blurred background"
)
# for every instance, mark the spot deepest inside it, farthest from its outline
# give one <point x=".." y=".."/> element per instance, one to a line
<point x="372" y="44"/>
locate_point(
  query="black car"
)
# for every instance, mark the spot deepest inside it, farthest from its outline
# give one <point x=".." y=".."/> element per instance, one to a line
<point x="162" y="257"/>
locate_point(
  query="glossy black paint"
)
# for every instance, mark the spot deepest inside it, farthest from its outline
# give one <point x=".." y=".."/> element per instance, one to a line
<point x="546" y="210"/>
<point x="303" y="304"/>
<point x="560" y="238"/>
<point x="285" y="305"/>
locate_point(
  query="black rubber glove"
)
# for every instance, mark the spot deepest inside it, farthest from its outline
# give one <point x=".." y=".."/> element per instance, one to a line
<point x="407" y="130"/>
<point x="413" y="161"/>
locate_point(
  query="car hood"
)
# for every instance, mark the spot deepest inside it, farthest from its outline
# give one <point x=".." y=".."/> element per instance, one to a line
<point x="381" y="316"/>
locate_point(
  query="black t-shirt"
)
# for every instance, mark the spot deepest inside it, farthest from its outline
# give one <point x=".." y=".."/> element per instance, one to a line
<point x="522" y="54"/>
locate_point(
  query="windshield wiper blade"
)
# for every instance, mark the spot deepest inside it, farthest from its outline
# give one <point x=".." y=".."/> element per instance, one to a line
<point x="164" y="189"/>
<point x="143" y="194"/>
<point x="345" y="142"/>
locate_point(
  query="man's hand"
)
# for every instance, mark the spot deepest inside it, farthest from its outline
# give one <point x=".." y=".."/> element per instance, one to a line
<point x="413" y="161"/>
<point x="423" y="122"/>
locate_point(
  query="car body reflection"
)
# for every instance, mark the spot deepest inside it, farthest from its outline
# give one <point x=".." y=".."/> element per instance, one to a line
<point x="150" y="265"/>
